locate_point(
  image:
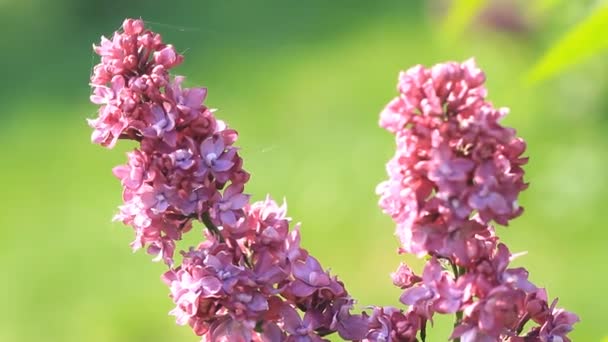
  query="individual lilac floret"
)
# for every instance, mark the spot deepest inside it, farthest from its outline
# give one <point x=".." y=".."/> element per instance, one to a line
<point x="299" y="329"/>
<point x="183" y="159"/>
<point x="554" y="323"/>
<point x="404" y="277"/>
<point x="436" y="293"/>
<point x="136" y="172"/>
<point x="227" y="329"/>
<point x="229" y="208"/>
<point x="558" y="324"/>
<point x="215" y="158"/>
<point x="160" y="123"/>
<point x="391" y="324"/>
<point x="187" y="100"/>
<point x="350" y="327"/>
<point x="496" y="315"/>
<point x="310" y="277"/>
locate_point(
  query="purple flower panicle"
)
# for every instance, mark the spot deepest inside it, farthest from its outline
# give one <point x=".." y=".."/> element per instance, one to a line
<point x="456" y="171"/>
<point x="186" y="157"/>
<point x="259" y="276"/>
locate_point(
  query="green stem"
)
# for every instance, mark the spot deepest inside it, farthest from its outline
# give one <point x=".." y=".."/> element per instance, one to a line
<point x="455" y="270"/>
<point x="457" y="322"/>
<point x="522" y="323"/>
<point x="212" y="228"/>
<point x="458" y="272"/>
<point x="423" y="331"/>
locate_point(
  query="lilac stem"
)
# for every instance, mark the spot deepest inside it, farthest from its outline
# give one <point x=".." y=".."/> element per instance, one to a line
<point x="423" y="331"/>
<point x="212" y="228"/>
<point x="457" y="322"/>
<point x="458" y="271"/>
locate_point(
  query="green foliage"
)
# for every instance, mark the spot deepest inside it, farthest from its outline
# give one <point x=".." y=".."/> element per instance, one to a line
<point x="303" y="83"/>
<point x="586" y="39"/>
<point x="460" y="16"/>
<point x="542" y="6"/>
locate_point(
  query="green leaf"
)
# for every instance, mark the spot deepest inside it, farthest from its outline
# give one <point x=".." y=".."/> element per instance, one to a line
<point x="585" y="40"/>
<point x="541" y="6"/>
<point x="460" y="15"/>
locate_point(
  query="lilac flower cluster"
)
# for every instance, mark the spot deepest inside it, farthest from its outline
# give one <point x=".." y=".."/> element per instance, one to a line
<point x="457" y="170"/>
<point x="249" y="279"/>
<point x="249" y="285"/>
<point x="186" y="156"/>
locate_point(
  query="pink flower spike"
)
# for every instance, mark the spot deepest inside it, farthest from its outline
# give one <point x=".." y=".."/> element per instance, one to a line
<point x="455" y="173"/>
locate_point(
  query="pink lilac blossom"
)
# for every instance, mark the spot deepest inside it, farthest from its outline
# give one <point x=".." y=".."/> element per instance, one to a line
<point x="454" y="162"/>
<point x="456" y="171"/>
<point x="436" y="293"/>
<point x="259" y="275"/>
<point x="392" y="324"/>
<point x="186" y="157"/>
<point x="250" y="277"/>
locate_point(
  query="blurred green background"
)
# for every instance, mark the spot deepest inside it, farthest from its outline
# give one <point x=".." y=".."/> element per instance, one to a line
<point x="303" y="82"/>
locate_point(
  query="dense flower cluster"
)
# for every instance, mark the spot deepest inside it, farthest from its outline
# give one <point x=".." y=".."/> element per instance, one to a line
<point x="186" y="156"/>
<point x="456" y="170"/>
<point x="249" y="278"/>
<point x="249" y="285"/>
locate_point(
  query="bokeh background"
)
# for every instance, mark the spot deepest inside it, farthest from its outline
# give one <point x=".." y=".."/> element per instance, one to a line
<point x="303" y="82"/>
